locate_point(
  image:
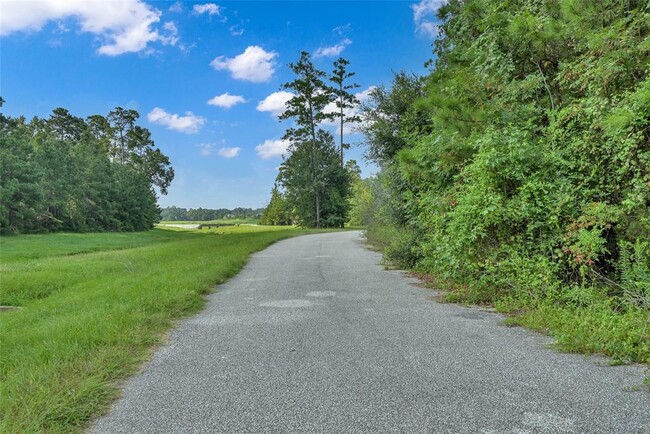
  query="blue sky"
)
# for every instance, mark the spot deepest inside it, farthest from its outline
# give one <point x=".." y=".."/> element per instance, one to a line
<point x="204" y="76"/>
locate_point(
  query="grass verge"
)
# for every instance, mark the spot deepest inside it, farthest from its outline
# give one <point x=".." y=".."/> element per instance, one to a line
<point x="88" y="320"/>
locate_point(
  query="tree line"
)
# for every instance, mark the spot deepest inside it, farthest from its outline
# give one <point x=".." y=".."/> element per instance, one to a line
<point x="74" y="174"/>
<point x="518" y="169"/>
<point x="173" y="213"/>
<point x="313" y="186"/>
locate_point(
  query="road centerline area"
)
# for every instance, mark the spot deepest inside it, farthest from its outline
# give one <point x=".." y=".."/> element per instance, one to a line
<point x="315" y="336"/>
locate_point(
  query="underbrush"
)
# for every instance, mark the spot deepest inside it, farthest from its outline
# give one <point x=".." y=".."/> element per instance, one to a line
<point x="593" y="317"/>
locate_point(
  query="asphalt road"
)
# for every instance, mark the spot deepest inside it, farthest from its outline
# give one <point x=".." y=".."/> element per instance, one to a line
<point x="315" y="336"/>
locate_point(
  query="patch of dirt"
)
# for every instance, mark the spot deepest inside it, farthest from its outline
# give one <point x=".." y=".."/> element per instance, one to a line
<point x="438" y="298"/>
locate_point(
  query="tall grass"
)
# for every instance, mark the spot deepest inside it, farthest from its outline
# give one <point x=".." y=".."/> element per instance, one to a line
<point x="87" y="320"/>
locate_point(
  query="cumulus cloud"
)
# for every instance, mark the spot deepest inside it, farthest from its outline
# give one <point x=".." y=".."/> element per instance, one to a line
<point x="188" y="124"/>
<point x="332" y="51"/>
<point x="226" y="100"/>
<point x="254" y="64"/>
<point x="272" y="149"/>
<point x="207" y="8"/>
<point x="275" y="103"/>
<point x="125" y="26"/>
<point x="228" y="152"/>
<point x="424" y="15"/>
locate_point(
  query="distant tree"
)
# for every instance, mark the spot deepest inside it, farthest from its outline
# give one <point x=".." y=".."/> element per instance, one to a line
<point x="361" y="196"/>
<point x="277" y="212"/>
<point x="20" y="193"/>
<point x="67" y="173"/>
<point x="311" y="95"/>
<point x="121" y="122"/>
<point x="66" y="127"/>
<point x="132" y="145"/>
<point x="345" y="101"/>
<point x="173" y="213"/>
<point x="297" y="174"/>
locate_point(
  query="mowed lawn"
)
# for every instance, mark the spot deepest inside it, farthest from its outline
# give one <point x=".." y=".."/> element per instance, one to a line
<point x="93" y="307"/>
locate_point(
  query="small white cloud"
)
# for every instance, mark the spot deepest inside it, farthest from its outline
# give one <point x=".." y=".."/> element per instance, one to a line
<point x="188" y="124"/>
<point x="61" y="28"/>
<point x="276" y="103"/>
<point x="207" y="8"/>
<point x="226" y="100"/>
<point x="254" y="64"/>
<point x="171" y="38"/>
<point x="236" y="30"/>
<point x="332" y="51"/>
<point x="176" y="7"/>
<point x="342" y="30"/>
<point x="272" y="149"/>
<point x="127" y="26"/>
<point x="228" y="152"/>
<point x="206" y="149"/>
<point x="424" y="14"/>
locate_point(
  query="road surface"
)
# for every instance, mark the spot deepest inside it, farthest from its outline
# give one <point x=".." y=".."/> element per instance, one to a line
<point x="315" y="336"/>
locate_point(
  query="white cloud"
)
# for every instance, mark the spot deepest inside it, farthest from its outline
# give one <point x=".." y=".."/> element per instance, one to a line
<point x="364" y="95"/>
<point x="332" y="51"/>
<point x="171" y="38"/>
<point x="229" y="152"/>
<point x="125" y="26"/>
<point x="342" y="30"/>
<point x="176" y="7"/>
<point x="236" y="30"/>
<point x="272" y="148"/>
<point x="275" y="103"/>
<point x="206" y="149"/>
<point x="188" y="124"/>
<point x="226" y="100"/>
<point x="254" y="64"/>
<point x="207" y="8"/>
<point x="424" y="15"/>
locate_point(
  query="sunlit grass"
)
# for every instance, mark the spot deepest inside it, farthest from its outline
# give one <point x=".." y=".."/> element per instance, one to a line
<point x="251" y="220"/>
<point x="87" y="320"/>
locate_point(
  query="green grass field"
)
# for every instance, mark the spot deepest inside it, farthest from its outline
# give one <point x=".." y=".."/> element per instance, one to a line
<point x="251" y="220"/>
<point x="94" y="306"/>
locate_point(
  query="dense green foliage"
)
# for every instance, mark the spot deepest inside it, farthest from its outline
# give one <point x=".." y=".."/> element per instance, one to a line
<point x="518" y="170"/>
<point x="277" y="212"/>
<point x="173" y="213"/>
<point x="313" y="171"/>
<point x="93" y="308"/>
<point x="67" y="173"/>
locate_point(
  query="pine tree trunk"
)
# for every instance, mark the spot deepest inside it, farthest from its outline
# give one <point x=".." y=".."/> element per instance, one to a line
<point x="341" y="101"/>
<point x="317" y="209"/>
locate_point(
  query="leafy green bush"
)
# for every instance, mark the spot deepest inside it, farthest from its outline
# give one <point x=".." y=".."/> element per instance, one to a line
<point x="521" y="174"/>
